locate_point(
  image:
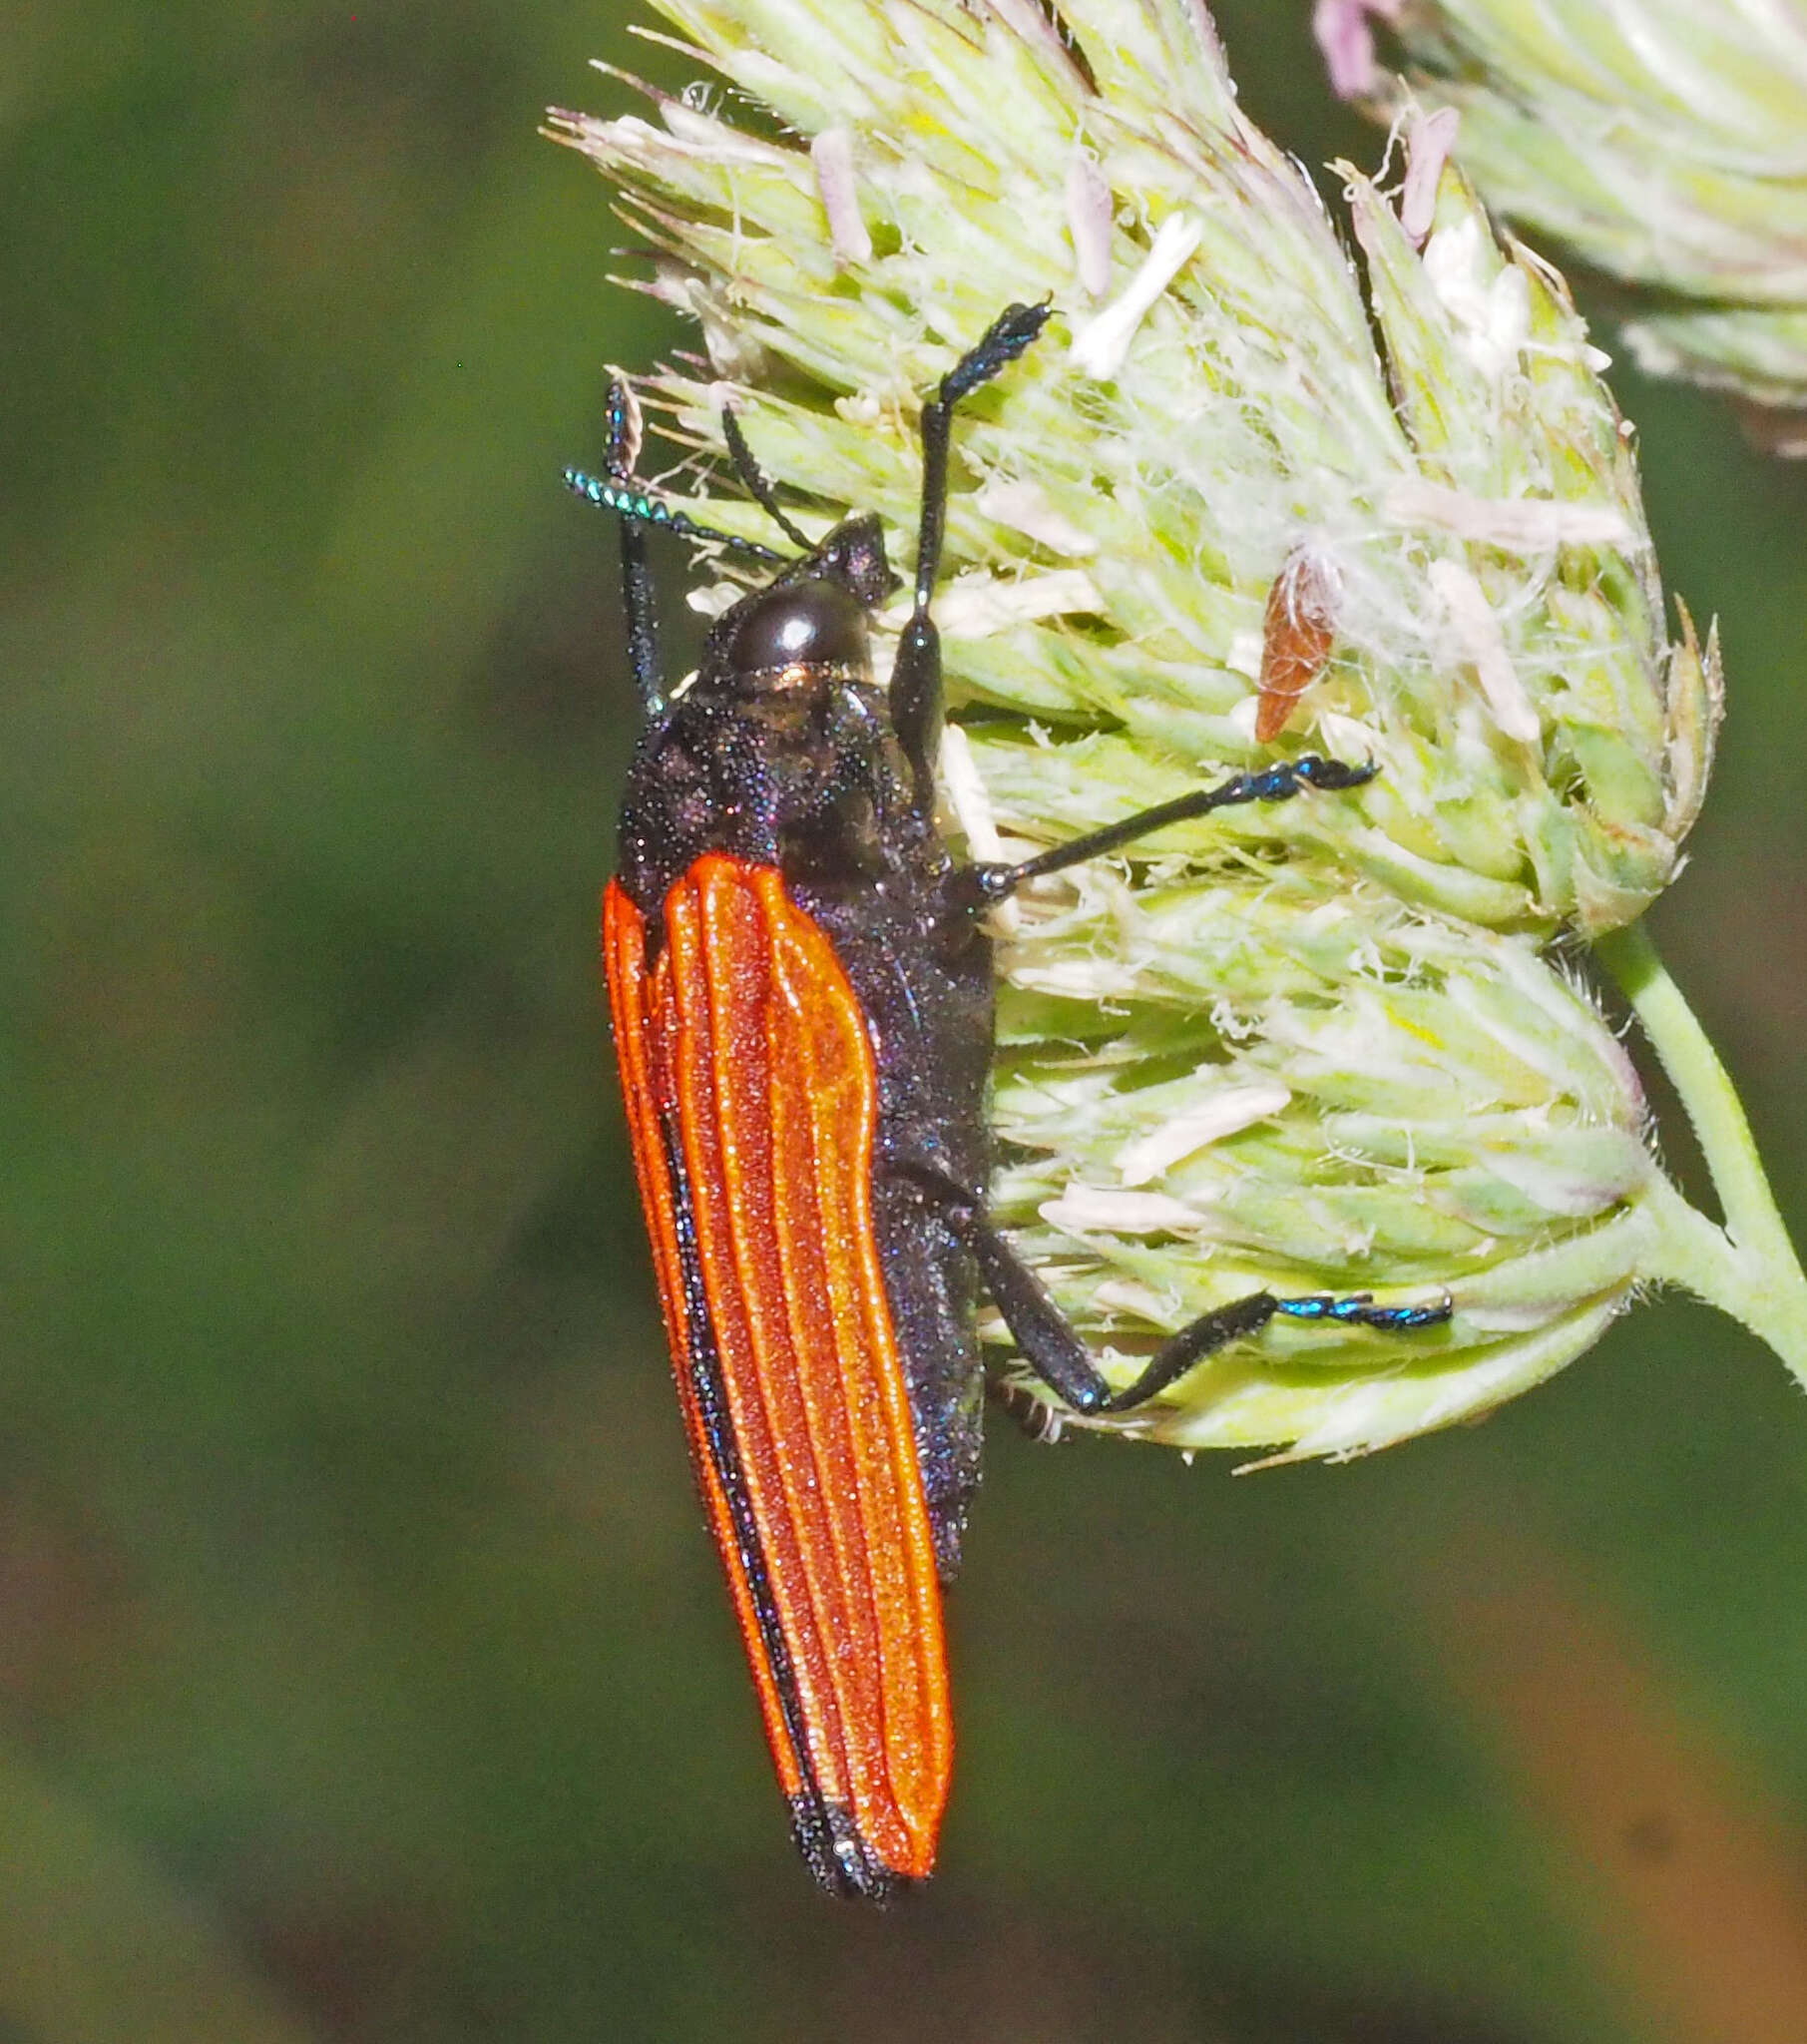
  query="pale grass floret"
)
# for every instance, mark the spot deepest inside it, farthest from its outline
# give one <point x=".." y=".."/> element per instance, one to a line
<point x="1664" y="141"/>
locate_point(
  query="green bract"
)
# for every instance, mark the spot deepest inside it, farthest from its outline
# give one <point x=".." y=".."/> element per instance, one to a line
<point x="1315" y="1046"/>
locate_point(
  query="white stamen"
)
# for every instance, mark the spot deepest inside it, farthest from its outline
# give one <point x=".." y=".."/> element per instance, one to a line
<point x="978" y="605"/>
<point x="1102" y="344"/>
<point x="1517" y="524"/>
<point x="700" y="135"/>
<point x="1222" y="1113"/>
<point x="1483" y="644"/>
<point x="1493" y="320"/>
<point x="1083" y="1209"/>
<point x="1429" y="139"/>
<point x="964" y="790"/>
<point x="967" y="796"/>
<point x="1244" y="655"/>
<point x="1124" y="1295"/>
<point x="1025" y="507"/>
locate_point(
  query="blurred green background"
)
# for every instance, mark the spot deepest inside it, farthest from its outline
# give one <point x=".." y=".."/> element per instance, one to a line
<point x="364" y="1672"/>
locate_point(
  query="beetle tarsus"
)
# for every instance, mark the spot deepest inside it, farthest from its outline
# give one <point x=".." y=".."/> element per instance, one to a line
<point x="1357" y="1309"/>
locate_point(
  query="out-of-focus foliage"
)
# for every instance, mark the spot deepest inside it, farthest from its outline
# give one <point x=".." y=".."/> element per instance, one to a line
<point x="353" y="1615"/>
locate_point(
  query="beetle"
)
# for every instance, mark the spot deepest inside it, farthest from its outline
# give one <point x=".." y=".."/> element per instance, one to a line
<point x="801" y="988"/>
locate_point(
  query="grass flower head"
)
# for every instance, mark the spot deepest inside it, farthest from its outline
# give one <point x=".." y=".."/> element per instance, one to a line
<point x="1318" y="1046"/>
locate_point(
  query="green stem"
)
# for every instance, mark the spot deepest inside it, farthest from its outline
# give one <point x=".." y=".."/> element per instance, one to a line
<point x="1747" y="1268"/>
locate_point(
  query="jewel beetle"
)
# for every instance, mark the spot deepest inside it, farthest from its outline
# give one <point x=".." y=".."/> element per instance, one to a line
<point x="801" y="987"/>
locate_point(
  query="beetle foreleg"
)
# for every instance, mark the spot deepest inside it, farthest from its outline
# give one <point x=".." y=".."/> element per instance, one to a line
<point x="916" y="675"/>
<point x="1053" y="1348"/>
<point x="638" y="605"/>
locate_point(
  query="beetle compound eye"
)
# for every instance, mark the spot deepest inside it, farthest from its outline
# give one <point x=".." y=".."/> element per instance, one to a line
<point x="808" y="625"/>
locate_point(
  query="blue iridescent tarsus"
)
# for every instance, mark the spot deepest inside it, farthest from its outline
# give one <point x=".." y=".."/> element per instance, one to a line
<point x="1359" y="1310"/>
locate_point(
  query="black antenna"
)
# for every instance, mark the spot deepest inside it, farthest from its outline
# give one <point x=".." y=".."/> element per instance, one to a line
<point x="758" y="485"/>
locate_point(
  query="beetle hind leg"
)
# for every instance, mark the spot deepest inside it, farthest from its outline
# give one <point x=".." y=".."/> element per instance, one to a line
<point x="1054" y="1351"/>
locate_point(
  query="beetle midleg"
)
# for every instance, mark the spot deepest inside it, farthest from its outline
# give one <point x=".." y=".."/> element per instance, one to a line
<point x="982" y="885"/>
